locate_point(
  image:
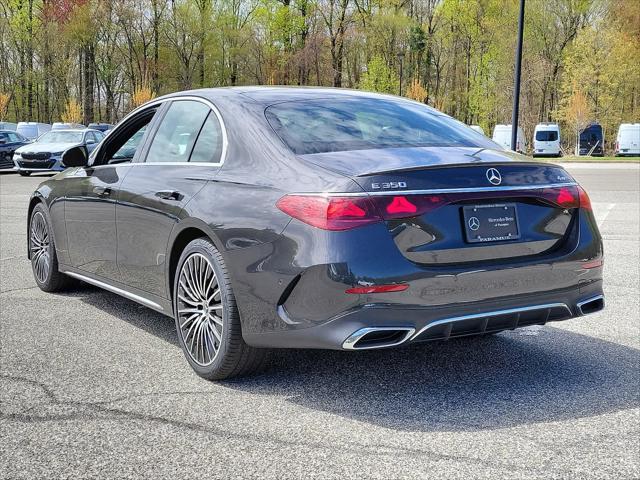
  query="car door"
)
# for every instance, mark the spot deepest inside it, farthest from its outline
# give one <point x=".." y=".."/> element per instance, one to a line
<point x="90" y="201"/>
<point x="183" y="153"/>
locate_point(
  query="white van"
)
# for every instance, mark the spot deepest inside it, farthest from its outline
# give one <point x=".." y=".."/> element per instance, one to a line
<point x="502" y="136"/>
<point x="8" y="126"/>
<point x="546" y="140"/>
<point x="477" y="128"/>
<point x="628" y="140"/>
<point x="32" y="130"/>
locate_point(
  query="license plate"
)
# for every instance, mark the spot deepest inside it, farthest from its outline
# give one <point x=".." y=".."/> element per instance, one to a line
<point x="491" y="223"/>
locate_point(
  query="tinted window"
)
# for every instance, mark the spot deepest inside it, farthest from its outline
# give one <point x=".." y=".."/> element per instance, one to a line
<point x="546" y="135"/>
<point x="128" y="150"/>
<point x="5" y="137"/>
<point x="208" y="147"/>
<point x="177" y="132"/>
<point x="333" y="125"/>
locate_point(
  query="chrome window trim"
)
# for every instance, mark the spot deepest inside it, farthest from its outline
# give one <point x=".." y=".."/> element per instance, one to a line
<point x="214" y="109"/>
<point x="438" y="190"/>
<point x="495" y="313"/>
<point x="119" y="291"/>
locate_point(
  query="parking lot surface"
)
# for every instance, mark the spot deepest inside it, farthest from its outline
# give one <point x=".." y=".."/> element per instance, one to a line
<point x="93" y="385"/>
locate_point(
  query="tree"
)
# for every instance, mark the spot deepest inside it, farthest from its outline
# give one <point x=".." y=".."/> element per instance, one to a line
<point x="576" y="113"/>
<point x="379" y="77"/>
<point x="72" y="112"/>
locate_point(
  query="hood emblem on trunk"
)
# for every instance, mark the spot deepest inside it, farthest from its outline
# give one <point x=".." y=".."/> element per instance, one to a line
<point x="494" y="177"/>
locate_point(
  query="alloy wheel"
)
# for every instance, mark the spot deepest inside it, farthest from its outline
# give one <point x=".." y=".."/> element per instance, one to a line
<point x="200" y="309"/>
<point x="39" y="241"/>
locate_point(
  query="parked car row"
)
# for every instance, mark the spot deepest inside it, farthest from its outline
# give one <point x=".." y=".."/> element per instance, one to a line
<point x="24" y="155"/>
<point x="34" y="147"/>
<point x="547" y="140"/>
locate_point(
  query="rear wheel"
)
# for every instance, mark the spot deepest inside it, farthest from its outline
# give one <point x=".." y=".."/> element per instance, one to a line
<point x="207" y="318"/>
<point x="42" y="249"/>
<point x="24" y="173"/>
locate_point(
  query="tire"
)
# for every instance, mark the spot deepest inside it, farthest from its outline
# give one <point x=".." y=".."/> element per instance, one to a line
<point x="42" y="249"/>
<point x="202" y="269"/>
<point x="24" y="173"/>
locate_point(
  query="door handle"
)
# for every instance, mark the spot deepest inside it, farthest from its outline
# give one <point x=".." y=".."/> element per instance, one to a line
<point x="169" y="195"/>
<point x="102" y="191"/>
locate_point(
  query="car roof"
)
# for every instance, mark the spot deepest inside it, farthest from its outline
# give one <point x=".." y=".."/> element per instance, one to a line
<point x="268" y="95"/>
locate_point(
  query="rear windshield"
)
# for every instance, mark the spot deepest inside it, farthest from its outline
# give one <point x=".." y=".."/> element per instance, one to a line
<point x="546" y="135"/>
<point x="591" y="133"/>
<point x="334" y="125"/>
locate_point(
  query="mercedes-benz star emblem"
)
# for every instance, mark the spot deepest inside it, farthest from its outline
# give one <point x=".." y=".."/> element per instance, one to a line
<point x="474" y="223"/>
<point x="494" y="177"/>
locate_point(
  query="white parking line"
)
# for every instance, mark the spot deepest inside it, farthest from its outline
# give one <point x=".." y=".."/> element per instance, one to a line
<point x="601" y="211"/>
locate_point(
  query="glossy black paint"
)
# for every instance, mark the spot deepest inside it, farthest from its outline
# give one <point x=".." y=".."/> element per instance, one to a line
<point x="7" y="147"/>
<point x="123" y="225"/>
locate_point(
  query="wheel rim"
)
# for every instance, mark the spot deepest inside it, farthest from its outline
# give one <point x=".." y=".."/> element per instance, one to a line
<point x="200" y="309"/>
<point x="39" y="240"/>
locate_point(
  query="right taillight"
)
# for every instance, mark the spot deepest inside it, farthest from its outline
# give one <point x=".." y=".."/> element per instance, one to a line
<point x="585" y="202"/>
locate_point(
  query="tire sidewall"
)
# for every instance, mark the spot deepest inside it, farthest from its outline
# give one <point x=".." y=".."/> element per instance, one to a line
<point x="206" y="248"/>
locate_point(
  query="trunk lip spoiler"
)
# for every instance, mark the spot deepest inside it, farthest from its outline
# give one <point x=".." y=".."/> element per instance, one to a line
<point x="434" y="191"/>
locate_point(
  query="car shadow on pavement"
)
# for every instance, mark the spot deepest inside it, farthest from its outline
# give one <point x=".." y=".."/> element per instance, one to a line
<point x="539" y="374"/>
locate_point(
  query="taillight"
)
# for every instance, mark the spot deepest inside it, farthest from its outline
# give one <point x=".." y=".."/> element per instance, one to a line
<point x="585" y="201"/>
<point x="329" y="213"/>
<point x="405" y="206"/>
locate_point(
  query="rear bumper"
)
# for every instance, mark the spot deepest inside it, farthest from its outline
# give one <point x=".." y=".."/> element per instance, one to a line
<point x="419" y="324"/>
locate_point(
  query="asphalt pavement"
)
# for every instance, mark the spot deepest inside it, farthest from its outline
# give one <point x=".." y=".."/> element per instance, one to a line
<point x="93" y="385"/>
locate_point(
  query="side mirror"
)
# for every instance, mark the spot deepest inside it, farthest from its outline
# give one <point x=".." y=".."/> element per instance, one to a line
<point x="75" y="157"/>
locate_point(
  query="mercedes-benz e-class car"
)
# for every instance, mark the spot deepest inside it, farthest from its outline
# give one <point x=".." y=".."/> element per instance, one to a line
<point x="315" y="218"/>
<point x="45" y="153"/>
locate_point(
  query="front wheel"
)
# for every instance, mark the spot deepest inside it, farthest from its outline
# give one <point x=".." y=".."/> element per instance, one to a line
<point x="42" y="250"/>
<point x="207" y="318"/>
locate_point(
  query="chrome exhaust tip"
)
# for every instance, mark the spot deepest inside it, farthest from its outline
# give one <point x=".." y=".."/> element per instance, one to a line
<point x="590" y="305"/>
<point x="377" y="337"/>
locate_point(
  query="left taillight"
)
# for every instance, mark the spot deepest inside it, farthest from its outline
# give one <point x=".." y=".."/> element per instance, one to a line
<point x="330" y="213"/>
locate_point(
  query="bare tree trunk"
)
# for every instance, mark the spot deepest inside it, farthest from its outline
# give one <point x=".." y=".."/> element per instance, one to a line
<point x="88" y="96"/>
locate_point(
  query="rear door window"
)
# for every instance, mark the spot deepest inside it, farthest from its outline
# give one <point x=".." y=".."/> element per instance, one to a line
<point x="177" y="132"/>
<point x="208" y="147"/>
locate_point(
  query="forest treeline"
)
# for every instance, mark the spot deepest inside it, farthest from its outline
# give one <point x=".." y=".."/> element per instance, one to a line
<point x="90" y="60"/>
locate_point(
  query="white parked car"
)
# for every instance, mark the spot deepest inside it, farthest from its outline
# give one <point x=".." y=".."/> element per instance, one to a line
<point x="502" y="136"/>
<point x="32" y="130"/>
<point x="546" y="140"/>
<point x="628" y="140"/>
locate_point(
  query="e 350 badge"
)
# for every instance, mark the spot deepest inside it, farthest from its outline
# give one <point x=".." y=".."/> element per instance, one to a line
<point x="388" y="185"/>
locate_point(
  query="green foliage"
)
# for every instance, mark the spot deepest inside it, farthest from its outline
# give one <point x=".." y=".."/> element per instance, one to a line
<point x="457" y="55"/>
<point x="379" y="77"/>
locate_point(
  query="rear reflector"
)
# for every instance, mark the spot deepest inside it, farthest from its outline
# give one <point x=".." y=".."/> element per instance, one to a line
<point x="593" y="264"/>
<point x="398" y="287"/>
